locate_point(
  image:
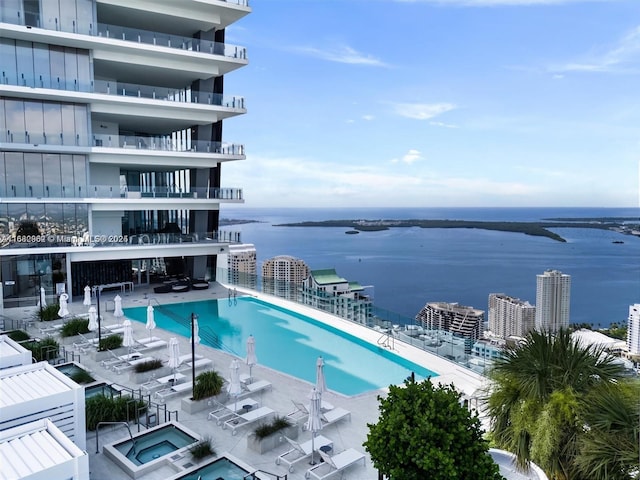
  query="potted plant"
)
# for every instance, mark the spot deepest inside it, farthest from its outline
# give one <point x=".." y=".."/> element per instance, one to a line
<point x="269" y="435"/>
<point x="208" y="386"/>
<point x="153" y="368"/>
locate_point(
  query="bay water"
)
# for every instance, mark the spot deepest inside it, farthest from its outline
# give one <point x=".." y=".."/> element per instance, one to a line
<point x="407" y="267"/>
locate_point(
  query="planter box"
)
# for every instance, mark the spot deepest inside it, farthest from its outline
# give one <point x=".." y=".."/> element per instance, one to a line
<point x="190" y="406"/>
<point x="136" y="377"/>
<point x="266" y="444"/>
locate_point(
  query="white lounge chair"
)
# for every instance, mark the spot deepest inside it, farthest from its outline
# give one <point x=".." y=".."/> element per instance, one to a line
<point x="199" y="363"/>
<point x="256" y="386"/>
<point x="223" y="412"/>
<point x="300" y="451"/>
<point x="334" y="464"/>
<point x="299" y="414"/>
<point x="130" y="364"/>
<point x="163" y="395"/>
<point x="251" y="416"/>
<point x="119" y="359"/>
<point x="334" y="415"/>
<point x="51" y="329"/>
<point x="152" y="345"/>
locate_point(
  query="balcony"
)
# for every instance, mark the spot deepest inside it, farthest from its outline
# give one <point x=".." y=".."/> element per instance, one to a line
<point x="66" y="193"/>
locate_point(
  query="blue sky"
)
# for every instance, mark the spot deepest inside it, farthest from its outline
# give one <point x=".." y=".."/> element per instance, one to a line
<point x="356" y="103"/>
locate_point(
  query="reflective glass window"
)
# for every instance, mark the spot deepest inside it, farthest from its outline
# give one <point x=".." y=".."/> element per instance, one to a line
<point x="52" y="179"/>
<point x="68" y="128"/>
<point x="33" y="177"/>
<point x="9" y="60"/>
<point x="56" y="55"/>
<point x="11" y="11"/>
<point x="41" y="65"/>
<point x="82" y="125"/>
<point x="53" y="123"/>
<point x="14" y="118"/>
<point x="14" y="170"/>
<point x="34" y="119"/>
<point x="24" y="55"/>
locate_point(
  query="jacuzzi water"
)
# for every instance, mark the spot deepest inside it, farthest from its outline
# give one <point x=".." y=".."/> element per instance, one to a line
<point x="155" y="444"/>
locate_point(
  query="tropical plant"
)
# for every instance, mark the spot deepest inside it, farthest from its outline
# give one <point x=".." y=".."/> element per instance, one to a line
<point x="423" y="431"/>
<point x="81" y="376"/>
<point x="269" y="428"/>
<point x="102" y="408"/>
<point x="609" y="448"/>
<point x="18" y="335"/>
<point x="74" y="327"/>
<point x="110" y="343"/>
<point x="208" y="384"/>
<point x="43" y="350"/>
<point x="537" y="397"/>
<point x="48" y="313"/>
<point x="149" y="365"/>
<point x="202" y="449"/>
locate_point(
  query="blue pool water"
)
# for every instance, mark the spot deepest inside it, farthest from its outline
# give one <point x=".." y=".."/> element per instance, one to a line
<point x="288" y="342"/>
<point x="222" y="468"/>
<point x="153" y="445"/>
<point x="100" y="389"/>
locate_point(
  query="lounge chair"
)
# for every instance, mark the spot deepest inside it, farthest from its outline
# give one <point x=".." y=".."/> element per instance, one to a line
<point x="299" y="414"/>
<point x="163" y="395"/>
<point x="152" y="345"/>
<point x="165" y="382"/>
<point x="334" y="415"/>
<point x="334" y="464"/>
<point x="199" y="363"/>
<point x="300" y="451"/>
<point x="51" y="329"/>
<point x="240" y="420"/>
<point x="223" y="412"/>
<point x="119" y="359"/>
<point x="256" y="386"/>
<point x="130" y="364"/>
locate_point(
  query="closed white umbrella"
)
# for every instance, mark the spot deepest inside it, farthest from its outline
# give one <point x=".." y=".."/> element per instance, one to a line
<point x="87" y="296"/>
<point x="42" y="301"/>
<point x="196" y="331"/>
<point x="235" y="387"/>
<point x="93" y="319"/>
<point x="251" y="359"/>
<point x="117" y="309"/>
<point x="128" y="340"/>
<point x="174" y="356"/>
<point x="63" y="311"/>
<point x="151" y="323"/>
<point x="321" y="384"/>
<point x="314" y="422"/>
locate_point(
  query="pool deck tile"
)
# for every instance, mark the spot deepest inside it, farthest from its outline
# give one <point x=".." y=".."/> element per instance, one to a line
<point x="345" y="434"/>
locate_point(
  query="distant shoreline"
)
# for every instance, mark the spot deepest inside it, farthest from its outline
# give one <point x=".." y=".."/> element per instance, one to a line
<point x="538" y="229"/>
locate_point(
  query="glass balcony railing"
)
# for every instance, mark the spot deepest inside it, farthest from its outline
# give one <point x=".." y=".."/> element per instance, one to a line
<point x="41" y="138"/>
<point x="180" y="95"/>
<point x="166" y="144"/>
<point x="98" y="240"/>
<point x="67" y="24"/>
<point x="116" y="191"/>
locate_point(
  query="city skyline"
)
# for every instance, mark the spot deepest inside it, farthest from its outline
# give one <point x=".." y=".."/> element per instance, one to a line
<point x="438" y="103"/>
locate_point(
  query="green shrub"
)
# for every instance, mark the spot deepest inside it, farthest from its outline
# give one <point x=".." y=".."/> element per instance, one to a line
<point x="82" y="377"/>
<point x="48" y="313"/>
<point x="101" y="408"/>
<point x="18" y="336"/>
<point x="110" y="343"/>
<point x="149" y="365"/>
<point x="208" y="384"/>
<point x="202" y="449"/>
<point x="74" y="326"/>
<point x="43" y="350"/>
<point x="278" y="423"/>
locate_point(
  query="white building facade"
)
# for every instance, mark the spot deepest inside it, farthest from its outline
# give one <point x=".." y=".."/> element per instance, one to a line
<point x="462" y="321"/>
<point x="509" y="316"/>
<point x="242" y="265"/>
<point x="633" y="329"/>
<point x="111" y="145"/>
<point x="553" y="297"/>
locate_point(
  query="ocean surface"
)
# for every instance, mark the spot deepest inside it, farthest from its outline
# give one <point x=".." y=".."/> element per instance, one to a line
<point x="407" y="267"/>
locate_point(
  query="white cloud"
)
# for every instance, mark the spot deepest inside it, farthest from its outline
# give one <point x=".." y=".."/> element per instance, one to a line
<point x="368" y="117"/>
<point x="342" y="54"/>
<point x="422" y="111"/>
<point x="441" y="124"/>
<point x="410" y="157"/>
<point x="616" y="59"/>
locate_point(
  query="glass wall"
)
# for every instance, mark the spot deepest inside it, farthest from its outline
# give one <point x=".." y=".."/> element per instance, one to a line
<point x="24" y="275"/>
<point x="43" y="123"/>
<point x="51" y="14"/>
<point x="40" y="65"/>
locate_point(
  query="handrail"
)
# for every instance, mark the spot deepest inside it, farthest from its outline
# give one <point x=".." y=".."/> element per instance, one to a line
<point x="252" y="475"/>
<point x="99" y="424"/>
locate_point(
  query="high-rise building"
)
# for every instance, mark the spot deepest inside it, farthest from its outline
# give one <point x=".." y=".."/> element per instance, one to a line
<point x="325" y="290"/>
<point x="509" y="316"/>
<point x="111" y="143"/>
<point x="242" y="265"/>
<point x="553" y="294"/>
<point x="283" y="275"/>
<point x="633" y="329"/>
<point x="460" y="320"/>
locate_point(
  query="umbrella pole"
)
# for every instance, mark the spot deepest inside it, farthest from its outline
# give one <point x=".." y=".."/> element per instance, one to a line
<point x="313" y="449"/>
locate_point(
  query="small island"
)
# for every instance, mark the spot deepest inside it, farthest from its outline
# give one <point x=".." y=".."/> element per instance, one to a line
<point x="539" y="229"/>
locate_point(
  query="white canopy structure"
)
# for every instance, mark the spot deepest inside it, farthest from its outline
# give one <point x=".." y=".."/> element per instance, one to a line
<point x="12" y="354"/>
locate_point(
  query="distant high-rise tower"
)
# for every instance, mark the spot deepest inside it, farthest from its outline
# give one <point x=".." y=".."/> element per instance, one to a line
<point x="283" y="275"/>
<point x="633" y="329"/>
<point x="242" y="265"/>
<point x="458" y="319"/>
<point x="553" y="295"/>
<point x="510" y="316"/>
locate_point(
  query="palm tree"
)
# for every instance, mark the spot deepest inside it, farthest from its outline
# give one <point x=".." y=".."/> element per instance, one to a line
<point x="535" y="398"/>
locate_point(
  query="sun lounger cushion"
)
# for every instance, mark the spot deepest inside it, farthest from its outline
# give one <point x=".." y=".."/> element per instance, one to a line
<point x="334" y="415"/>
<point x="335" y="464"/>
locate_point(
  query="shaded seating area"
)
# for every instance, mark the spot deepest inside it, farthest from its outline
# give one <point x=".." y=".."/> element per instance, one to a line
<point x="301" y="451"/>
<point x="334" y="464"/>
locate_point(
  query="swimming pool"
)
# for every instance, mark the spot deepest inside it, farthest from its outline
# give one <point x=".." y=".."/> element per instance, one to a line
<point x="221" y="468"/>
<point x="288" y="342"/>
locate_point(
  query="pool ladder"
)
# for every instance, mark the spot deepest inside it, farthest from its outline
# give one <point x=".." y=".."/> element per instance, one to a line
<point x="99" y="424"/>
<point x="252" y="476"/>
